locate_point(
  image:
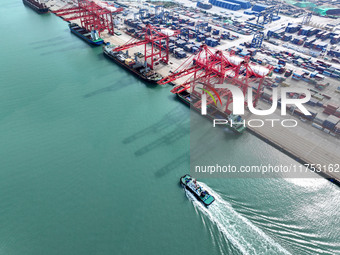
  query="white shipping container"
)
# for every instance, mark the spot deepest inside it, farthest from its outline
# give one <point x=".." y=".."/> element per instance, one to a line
<point x="319" y="120"/>
<point x="333" y="119"/>
<point x="317" y="126"/>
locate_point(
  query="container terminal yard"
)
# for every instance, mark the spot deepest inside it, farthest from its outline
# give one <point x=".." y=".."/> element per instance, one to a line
<point x="256" y="44"/>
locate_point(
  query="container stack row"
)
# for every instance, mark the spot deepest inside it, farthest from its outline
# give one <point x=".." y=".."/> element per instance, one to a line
<point x="226" y="4"/>
<point x="330" y="109"/>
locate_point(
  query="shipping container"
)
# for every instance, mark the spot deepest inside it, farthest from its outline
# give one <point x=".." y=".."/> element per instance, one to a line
<point x="330" y="122"/>
<point x="320" y="119"/>
<point x="317" y="126"/>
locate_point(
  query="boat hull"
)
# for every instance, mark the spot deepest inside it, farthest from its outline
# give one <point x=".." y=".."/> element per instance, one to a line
<point x="36" y="6"/>
<point x="211" y="199"/>
<point x="89" y="41"/>
<point x="139" y="75"/>
<point x="186" y="101"/>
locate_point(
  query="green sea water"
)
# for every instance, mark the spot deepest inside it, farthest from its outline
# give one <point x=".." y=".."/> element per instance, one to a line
<point x="91" y="158"/>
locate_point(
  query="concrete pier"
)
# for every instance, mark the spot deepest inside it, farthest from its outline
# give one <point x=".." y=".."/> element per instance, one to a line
<point x="307" y="147"/>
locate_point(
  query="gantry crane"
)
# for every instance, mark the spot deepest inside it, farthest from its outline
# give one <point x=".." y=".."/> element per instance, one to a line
<point x="156" y="51"/>
<point x="211" y="67"/>
<point x="91" y="13"/>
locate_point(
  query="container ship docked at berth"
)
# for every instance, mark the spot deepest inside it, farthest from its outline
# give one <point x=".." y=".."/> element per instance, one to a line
<point x="36" y="5"/>
<point x="138" y="68"/>
<point x="212" y="112"/>
<point x="202" y="195"/>
<point x="90" y="37"/>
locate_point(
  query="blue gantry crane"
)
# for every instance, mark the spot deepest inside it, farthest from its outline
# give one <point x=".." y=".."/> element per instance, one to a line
<point x="201" y="27"/>
<point x="166" y="16"/>
<point x="257" y="39"/>
<point x="307" y="18"/>
<point x="144" y="13"/>
<point x="159" y="11"/>
<point x="267" y="15"/>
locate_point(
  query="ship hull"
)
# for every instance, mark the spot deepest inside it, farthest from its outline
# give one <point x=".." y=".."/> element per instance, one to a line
<point x="196" y="196"/>
<point x="36" y="6"/>
<point x="187" y="102"/>
<point x="139" y="75"/>
<point x="192" y="192"/>
<point x="86" y="39"/>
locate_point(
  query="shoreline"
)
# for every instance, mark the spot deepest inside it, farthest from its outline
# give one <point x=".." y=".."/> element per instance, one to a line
<point x="274" y="139"/>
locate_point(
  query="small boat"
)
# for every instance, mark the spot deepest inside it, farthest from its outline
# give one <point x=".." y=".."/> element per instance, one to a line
<point x="90" y="37"/>
<point x="202" y="195"/>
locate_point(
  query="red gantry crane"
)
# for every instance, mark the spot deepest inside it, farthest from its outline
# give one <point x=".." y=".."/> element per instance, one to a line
<point x="157" y="51"/>
<point x="204" y="64"/>
<point x="210" y="67"/>
<point x="93" y="14"/>
<point x="247" y="75"/>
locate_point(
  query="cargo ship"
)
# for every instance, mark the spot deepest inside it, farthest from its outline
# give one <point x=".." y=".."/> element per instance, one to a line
<point x="212" y="112"/>
<point x="202" y="195"/>
<point x="90" y="37"/>
<point x="133" y="65"/>
<point x="36" y="5"/>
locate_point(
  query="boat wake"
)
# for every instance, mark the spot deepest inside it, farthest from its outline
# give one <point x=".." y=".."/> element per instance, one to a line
<point x="236" y="229"/>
